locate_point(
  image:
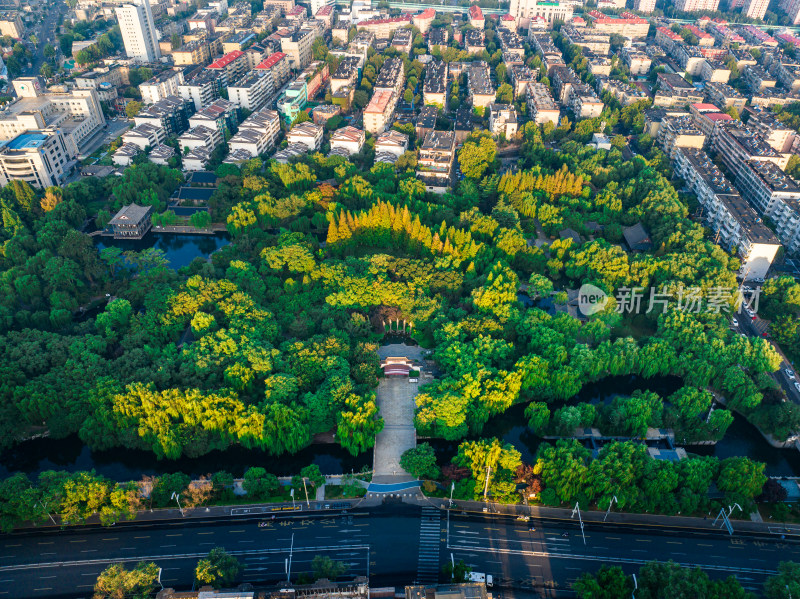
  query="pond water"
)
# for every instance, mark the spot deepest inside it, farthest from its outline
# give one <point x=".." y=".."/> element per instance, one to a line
<point x="70" y="454"/>
<point x="180" y="250"/>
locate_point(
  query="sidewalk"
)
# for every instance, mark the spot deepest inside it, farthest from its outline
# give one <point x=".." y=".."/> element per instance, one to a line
<point x="595" y="517"/>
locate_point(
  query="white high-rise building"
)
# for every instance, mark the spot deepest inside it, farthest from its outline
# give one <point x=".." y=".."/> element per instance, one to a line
<point x="317" y="4"/>
<point x="755" y="9"/>
<point x="139" y="31"/>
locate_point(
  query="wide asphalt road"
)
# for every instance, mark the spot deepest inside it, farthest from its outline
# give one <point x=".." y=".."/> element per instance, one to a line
<point x="382" y="543"/>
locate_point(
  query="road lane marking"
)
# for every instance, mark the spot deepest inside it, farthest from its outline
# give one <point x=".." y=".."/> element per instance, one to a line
<point x="180" y="534"/>
<point x="614" y="538"/>
<point x="205" y="533"/>
<point x="674" y="543"/>
<point x="46" y="577"/>
<point x="43" y="589"/>
<point x="144" y="537"/>
<point x="644" y="540"/>
<point x="89" y="551"/>
<point x="112" y="539"/>
<point x="235" y="531"/>
<point x="168" y="545"/>
<point x="47" y="543"/>
<point x="79" y="541"/>
<point x="15" y="545"/>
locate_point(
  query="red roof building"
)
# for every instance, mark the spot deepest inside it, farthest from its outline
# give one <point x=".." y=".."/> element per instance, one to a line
<point x="270" y="62"/>
<point x="476" y="18"/>
<point x="226" y="60"/>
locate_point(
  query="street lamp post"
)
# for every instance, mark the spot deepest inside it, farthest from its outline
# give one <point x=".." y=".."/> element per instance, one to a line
<point x="292" y="495"/>
<point x="610" y="503"/>
<point x="636" y="586"/>
<point x="306" y="490"/>
<point x="452" y="488"/>
<point x="176" y="497"/>
<point x="577" y="508"/>
<point x="486" y="484"/>
<point x="289" y="563"/>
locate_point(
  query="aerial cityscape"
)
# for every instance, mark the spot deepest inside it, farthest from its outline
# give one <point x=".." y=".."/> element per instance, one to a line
<point x="399" y="299"/>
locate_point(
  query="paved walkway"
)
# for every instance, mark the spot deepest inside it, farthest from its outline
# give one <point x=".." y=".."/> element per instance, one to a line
<point x="393" y="487"/>
<point x="396" y="404"/>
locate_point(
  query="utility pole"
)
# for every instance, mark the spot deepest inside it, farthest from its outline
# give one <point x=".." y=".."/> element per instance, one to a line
<point x="486" y="484"/>
<point x="452" y="488"/>
<point x="610" y="503"/>
<point x="577" y="508"/>
<point x="176" y="497"/>
<point x="636" y="587"/>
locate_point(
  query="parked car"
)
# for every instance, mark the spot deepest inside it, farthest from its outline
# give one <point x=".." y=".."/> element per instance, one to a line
<point x="789" y="372"/>
<point x="797" y="385"/>
<point x="734" y="322"/>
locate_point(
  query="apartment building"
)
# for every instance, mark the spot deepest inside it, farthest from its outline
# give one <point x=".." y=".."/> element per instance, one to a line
<point x="674" y="90"/>
<point x="708" y="117"/>
<point x="200" y="137"/>
<point x="503" y="120"/>
<point x="644" y="6"/>
<point x="379" y="111"/>
<point x="347" y="141"/>
<point x="203" y="89"/>
<point x="562" y="80"/>
<point x="737" y="225"/>
<point x="278" y="65"/>
<point x="757" y="78"/>
<point x="476" y="18"/>
<point x="346" y="74"/>
<point x="43" y="158"/>
<point x="221" y="115"/>
<point x="76" y="113"/>
<point x="435" y="162"/>
<point x="194" y="52"/>
<point x="770" y="129"/>
<point x="233" y="64"/>
<point x="736" y="143"/>
<point x="524" y="11"/>
<point x="125" y="154"/>
<point x="161" y="86"/>
<point x="521" y="77"/>
<point x="171" y="114"/>
<point x="162" y="155"/>
<point x="541" y="105"/>
<point x="742" y="57"/>
<point x="690" y="58"/>
<point x="724" y="96"/>
<point x="438" y="38"/>
<point x="697" y="5"/>
<point x="139" y="31"/>
<point x="626" y="24"/>
<point x="625" y="93"/>
<point x="435" y="88"/>
<point x="252" y="91"/>
<point x="713" y="70"/>
<point x="679" y="132"/>
<point x="423" y="20"/>
<point x="588" y="39"/>
<point x="307" y="134"/>
<point x="667" y="39"/>
<point x="297" y="48"/>
<point x="584" y="102"/>
<point x="481" y="90"/>
<point x="11" y="25"/>
<point x="144" y="136"/>
<point x="638" y="62"/>
<point x="390" y="145"/>
<point x="384" y="28"/>
<point x="401" y="41"/>
<point x="257" y="134"/>
<point x="755" y="9"/>
<point x="474" y="41"/>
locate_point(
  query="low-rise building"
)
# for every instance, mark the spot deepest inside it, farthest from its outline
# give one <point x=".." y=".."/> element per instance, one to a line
<point x="346" y="74"/>
<point x="401" y="41"/>
<point x="347" y="141"/>
<point x="584" y="103"/>
<point x="666" y="38"/>
<point x="193" y="52"/>
<point x="438" y="38"/>
<point x="221" y="115"/>
<point x="626" y="24"/>
<point x="131" y="222"/>
<point x="384" y="28"/>
<point x="435" y="162"/>
<point x="162" y="155"/>
<point x="588" y="39"/>
<point x="737" y="225"/>
<point x="125" y="154"/>
<point x="307" y="134"/>
<point x="788" y="76"/>
<point x="476" y="18"/>
<point x="503" y="120"/>
<point x="541" y="106"/>
<point x="297" y="48"/>
<point x="43" y="158"/>
<point x="474" y="41"/>
<point x="690" y="58"/>
<point x="674" y="90"/>
<point x="197" y="159"/>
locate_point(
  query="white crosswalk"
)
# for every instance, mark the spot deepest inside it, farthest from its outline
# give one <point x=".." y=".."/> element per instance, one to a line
<point x="429" y="541"/>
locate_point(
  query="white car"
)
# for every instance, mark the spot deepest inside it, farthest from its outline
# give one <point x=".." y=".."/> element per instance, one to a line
<point x="734" y="322"/>
<point x="789" y="372"/>
<point x="797" y="386"/>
